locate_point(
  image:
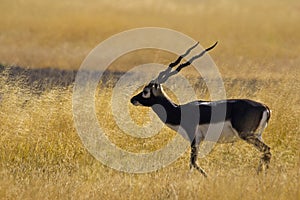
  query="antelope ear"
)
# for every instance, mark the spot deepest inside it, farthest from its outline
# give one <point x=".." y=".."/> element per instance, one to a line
<point x="156" y="90"/>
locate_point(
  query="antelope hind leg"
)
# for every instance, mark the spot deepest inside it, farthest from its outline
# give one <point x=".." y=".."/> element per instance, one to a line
<point x="262" y="147"/>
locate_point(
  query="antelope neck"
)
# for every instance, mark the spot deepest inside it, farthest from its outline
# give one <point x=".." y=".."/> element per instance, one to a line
<point x="167" y="111"/>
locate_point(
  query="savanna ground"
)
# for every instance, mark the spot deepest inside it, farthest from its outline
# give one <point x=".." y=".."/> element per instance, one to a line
<point x="41" y="155"/>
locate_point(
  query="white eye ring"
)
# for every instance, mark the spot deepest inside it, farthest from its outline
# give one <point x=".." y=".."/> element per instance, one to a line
<point x="146" y="94"/>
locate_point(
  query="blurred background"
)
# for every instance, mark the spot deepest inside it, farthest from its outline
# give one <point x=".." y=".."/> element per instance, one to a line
<point x="254" y="36"/>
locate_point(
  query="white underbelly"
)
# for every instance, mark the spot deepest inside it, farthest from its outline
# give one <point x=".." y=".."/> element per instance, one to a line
<point x="218" y="132"/>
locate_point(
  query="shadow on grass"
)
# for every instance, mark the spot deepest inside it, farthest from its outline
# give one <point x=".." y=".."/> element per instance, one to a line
<point x="39" y="80"/>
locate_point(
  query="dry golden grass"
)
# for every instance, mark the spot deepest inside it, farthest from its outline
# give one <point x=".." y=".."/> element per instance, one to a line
<point x="41" y="155"/>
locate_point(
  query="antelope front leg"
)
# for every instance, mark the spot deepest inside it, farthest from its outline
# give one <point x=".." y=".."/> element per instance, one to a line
<point x="194" y="154"/>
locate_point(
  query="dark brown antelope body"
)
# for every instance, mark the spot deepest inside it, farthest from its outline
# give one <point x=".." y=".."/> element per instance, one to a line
<point x="219" y="121"/>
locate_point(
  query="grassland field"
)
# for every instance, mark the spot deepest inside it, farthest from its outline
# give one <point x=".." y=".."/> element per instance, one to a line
<point x="42" y="46"/>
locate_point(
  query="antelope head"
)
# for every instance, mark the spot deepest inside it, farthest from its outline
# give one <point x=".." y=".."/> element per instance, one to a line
<point x="153" y="92"/>
<point x="150" y="95"/>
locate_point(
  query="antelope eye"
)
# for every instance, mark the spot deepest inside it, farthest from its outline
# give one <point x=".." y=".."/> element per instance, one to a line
<point x="146" y="94"/>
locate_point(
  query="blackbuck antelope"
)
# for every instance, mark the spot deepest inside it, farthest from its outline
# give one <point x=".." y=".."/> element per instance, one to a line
<point x="240" y="118"/>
